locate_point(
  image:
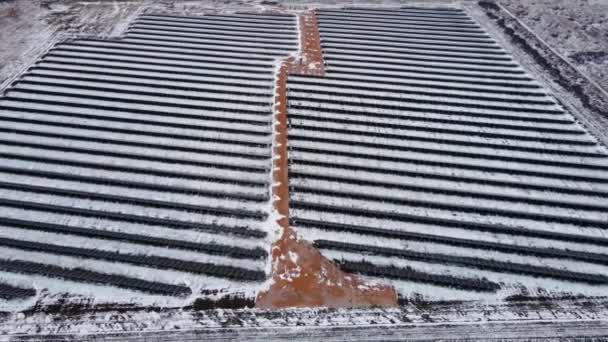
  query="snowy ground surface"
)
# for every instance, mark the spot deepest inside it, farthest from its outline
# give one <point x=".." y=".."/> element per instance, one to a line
<point x="577" y="29"/>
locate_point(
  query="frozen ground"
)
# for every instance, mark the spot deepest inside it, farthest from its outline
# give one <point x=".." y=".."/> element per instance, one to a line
<point x="577" y="29"/>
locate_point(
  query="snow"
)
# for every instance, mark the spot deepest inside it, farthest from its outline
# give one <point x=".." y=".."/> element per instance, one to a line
<point x="221" y="170"/>
<point x="405" y="142"/>
<point x="245" y="39"/>
<point x="399" y="90"/>
<point x="329" y="35"/>
<point x="403" y="98"/>
<point x="426" y="131"/>
<point x="389" y="181"/>
<point x="551" y="173"/>
<point x="101" y="224"/>
<point x="459" y="271"/>
<point x="226" y="44"/>
<point x="111" y="101"/>
<point x="151" y="152"/>
<point x="212" y="118"/>
<point x="438" y="198"/>
<point x="565" y="131"/>
<point x="166" y="46"/>
<point x="445" y="170"/>
<point x="427" y="211"/>
<point x="193" y="70"/>
<point x="466" y="68"/>
<point x="124" y="247"/>
<point x="59" y="55"/>
<point x="192" y="217"/>
<point x="122" y="92"/>
<point x="230" y="28"/>
<point x="404" y="75"/>
<point x="97" y="75"/>
<point x="576" y="29"/>
<point x="474" y="55"/>
<point x="188" y="128"/>
<point x="397" y="21"/>
<point x="101" y="68"/>
<point x="209" y="43"/>
<point x="221" y="201"/>
<point x="175" y="58"/>
<point x="482" y="63"/>
<point x="473" y="35"/>
<point x="360" y="106"/>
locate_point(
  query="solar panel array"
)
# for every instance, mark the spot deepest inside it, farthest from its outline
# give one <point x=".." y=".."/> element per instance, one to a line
<point x="428" y="156"/>
<point x="142" y="162"/>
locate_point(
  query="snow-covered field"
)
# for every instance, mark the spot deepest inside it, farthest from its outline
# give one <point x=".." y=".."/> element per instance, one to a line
<point x="577" y="29"/>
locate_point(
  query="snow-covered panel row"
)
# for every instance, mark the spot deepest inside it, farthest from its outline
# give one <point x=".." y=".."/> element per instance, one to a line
<point x="105" y="75"/>
<point x="414" y="44"/>
<point x="417" y="133"/>
<point x="402" y="22"/>
<point x="410" y="38"/>
<point x="164" y="47"/>
<point x="432" y="71"/>
<point x="446" y="57"/>
<point x="416" y="88"/>
<point x="400" y="32"/>
<point x="197" y="32"/>
<point x="211" y="76"/>
<point x="395" y="99"/>
<point x="131" y="51"/>
<point x="275" y="20"/>
<point x="230" y="28"/>
<point x="521" y="131"/>
<point x="454" y="14"/>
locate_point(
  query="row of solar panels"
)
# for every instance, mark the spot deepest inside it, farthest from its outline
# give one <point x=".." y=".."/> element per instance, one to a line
<point x="427" y="155"/>
<point x="142" y="162"/>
